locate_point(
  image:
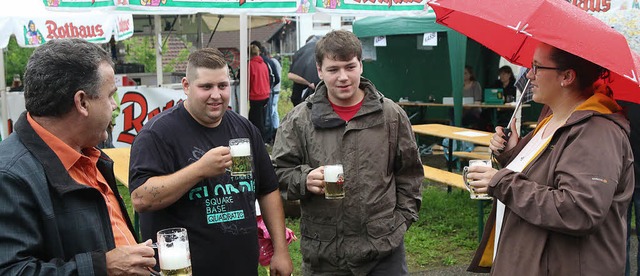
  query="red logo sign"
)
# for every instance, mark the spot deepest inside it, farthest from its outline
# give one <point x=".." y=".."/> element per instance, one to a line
<point x="133" y="123"/>
<point x="592" y="5"/>
<point x="68" y="30"/>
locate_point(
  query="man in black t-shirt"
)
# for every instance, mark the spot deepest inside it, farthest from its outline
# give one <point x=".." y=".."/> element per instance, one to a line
<point x="179" y="178"/>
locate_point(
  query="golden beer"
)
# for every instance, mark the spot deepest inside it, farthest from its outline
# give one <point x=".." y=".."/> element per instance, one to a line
<point x="241" y="165"/>
<point x="334" y="182"/>
<point x="176" y="272"/>
<point x="240" y="156"/>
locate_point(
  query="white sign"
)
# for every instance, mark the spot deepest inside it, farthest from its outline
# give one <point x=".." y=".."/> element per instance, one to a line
<point x="430" y="39"/>
<point x="380" y="41"/>
<point x="137" y="106"/>
<point x="368" y="50"/>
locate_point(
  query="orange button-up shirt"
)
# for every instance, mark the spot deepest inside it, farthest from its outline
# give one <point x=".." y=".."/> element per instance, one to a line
<point x="83" y="169"/>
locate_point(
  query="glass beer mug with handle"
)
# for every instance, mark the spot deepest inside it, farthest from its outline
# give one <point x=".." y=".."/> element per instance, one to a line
<point x="465" y="171"/>
<point x="334" y="182"/>
<point x="240" y="156"/>
<point x="173" y="252"/>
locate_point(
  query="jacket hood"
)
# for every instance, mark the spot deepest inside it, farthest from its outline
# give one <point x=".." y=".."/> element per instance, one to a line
<point x="598" y="104"/>
<point x="257" y="59"/>
<point x="322" y="114"/>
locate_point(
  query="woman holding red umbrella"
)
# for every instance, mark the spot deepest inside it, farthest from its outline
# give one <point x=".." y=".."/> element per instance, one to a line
<point x="562" y="196"/>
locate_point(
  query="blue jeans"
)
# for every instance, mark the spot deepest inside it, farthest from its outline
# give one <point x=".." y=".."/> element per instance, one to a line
<point x="275" y="118"/>
<point x="635" y="205"/>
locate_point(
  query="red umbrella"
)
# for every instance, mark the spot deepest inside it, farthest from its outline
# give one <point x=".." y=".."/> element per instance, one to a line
<point x="513" y="29"/>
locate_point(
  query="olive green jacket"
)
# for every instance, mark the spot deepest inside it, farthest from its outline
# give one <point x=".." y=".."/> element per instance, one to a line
<point x="383" y="178"/>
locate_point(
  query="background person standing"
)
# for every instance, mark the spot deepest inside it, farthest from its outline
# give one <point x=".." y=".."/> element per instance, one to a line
<point x="259" y="89"/>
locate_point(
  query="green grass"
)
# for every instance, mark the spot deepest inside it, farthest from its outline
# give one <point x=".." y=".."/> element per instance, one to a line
<point x="284" y="103"/>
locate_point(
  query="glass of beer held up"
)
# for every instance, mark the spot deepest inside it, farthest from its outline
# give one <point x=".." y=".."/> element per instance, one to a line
<point x="334" y="182"/>
<point x="173" y="252"/>
<point x="240" y="156"/>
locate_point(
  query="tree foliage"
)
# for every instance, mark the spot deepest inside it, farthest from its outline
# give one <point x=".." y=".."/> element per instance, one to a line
<point x="15" y="60"/>
<point x="141" y="50"/>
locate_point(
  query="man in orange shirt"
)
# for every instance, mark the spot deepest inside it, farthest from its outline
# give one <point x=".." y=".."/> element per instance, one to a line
<point x="60" y="209"/>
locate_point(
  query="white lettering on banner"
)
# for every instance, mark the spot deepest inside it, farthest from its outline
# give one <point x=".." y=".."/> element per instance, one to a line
<point x="137" y="106"/>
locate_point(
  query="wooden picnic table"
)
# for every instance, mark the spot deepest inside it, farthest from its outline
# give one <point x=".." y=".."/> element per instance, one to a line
<point x="476" y="137"/>
<point x="120" y="157"/>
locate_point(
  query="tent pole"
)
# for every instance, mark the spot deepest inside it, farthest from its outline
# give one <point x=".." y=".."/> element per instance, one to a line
<point x="244" y="57"/>
<point x="3" y="99"/>
<point x="158" y="32"/>
<point x="457" y="56"/>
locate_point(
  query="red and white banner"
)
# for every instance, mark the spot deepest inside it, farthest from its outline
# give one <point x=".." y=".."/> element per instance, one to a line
<point x="137" y="106"/>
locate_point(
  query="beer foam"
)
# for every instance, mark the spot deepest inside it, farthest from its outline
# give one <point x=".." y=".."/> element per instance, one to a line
<point x="241" y="149"/>
<point x="172" y="258"/>
<point x="331" y="173"/>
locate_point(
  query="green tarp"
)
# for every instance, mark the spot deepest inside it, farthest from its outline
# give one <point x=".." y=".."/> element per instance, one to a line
<point x="456" y="45"/>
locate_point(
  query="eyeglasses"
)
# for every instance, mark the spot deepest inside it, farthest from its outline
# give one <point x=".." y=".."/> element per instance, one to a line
<point x="535" y="68"/>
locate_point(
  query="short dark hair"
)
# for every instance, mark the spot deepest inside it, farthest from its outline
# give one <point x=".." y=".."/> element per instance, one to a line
<point x="57" y="70"/>
<point x="338" y="45"/>
<point x="210" y="58"/>
<point x="507" y="69"/>
<point x="257" y="43"/>
<point x="587" y="72"/>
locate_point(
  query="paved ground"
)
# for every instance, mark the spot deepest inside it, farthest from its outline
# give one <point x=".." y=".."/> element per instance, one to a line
<point x="461" y="269"/>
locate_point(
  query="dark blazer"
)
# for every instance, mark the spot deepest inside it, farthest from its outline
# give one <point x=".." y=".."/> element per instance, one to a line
<point x="51" y="225"/>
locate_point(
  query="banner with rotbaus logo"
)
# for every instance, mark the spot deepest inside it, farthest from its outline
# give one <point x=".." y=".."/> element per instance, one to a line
<point x="97" y="27"/>
<point x="137" y="106"/>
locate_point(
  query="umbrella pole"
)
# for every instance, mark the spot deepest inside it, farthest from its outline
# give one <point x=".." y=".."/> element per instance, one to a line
<point x="515" y="110"/>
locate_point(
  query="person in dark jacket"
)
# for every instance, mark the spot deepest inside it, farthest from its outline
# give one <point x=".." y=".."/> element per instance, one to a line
<point x="506" y="80"/>
<point x="60" y="208"/>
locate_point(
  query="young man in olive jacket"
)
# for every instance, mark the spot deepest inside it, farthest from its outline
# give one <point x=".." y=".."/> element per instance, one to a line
<point x="347" y="121"/>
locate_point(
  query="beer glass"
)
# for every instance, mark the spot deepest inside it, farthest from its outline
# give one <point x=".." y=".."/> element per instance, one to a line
<point x="465" y="170"/>
<point x="240" y="156"/>
<point x="334" y="182"/>
<point x="173" y="252"/>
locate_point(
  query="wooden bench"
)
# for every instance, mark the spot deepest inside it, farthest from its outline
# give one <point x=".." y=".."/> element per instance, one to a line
<point x="472" y="155"/>
<point x="530" y="125"/>
<point x="444" y="177"/>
